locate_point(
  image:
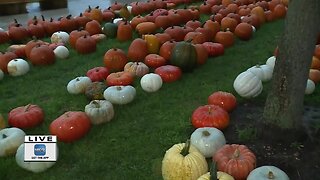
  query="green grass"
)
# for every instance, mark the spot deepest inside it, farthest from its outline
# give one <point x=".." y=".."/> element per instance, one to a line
<point x="132" y="145"/>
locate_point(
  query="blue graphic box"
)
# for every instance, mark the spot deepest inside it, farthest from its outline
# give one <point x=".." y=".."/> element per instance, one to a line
<point x="39" y="149"/>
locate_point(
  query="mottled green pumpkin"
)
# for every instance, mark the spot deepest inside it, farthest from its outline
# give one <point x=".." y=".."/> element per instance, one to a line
<point x="110" y="29"/>
<point x="184" y="55"/>
<point x="95" y="91"/>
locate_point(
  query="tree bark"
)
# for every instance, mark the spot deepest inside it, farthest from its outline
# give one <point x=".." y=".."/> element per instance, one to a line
<point x="284" y="105"/>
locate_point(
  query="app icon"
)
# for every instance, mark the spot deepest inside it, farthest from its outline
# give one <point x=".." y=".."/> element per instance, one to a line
<point x="39" y="149"/>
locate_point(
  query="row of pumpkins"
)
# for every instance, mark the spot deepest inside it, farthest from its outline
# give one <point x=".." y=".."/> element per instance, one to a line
<point x="152" y="82"/>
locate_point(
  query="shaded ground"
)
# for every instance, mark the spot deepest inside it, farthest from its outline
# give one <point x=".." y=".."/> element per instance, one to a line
<point x="299" y="159"/>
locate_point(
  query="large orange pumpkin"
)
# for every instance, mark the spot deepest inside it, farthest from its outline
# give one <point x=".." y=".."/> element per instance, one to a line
<point x="146" y="28"/>
<point x="166" y="49"/>
<point x="124" y="32"/>
<point x="137" y="50"/>
<point x="243" y="31"/>
<point x="226" y="38"/>
<point x="260" y="13"/>
<point x="280" y="11"/>
<point x="236" y="160"/>
<point x="228" y="23"/>
<point x="115" y="59"/>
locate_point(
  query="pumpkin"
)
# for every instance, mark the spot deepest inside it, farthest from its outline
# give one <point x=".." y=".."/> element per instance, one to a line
<point x="115" y="59"/>
<point x="317" y="50"/>
<point x="151" y="82"/>
<point x="210" y="116"/>
<point x="207" y="140"/>
<point x="263" y="72"/>
<point x="42" y="55"/>
<point x="280" y="11"/>
<point x="166" y="49"/>
<point x="146" y="28"/>
<point x="76" y="121"/>
<point x="137" y="50"/>
<point x="120" y="94"/>
<point x="18" y="33"/>
<point x="214" y="49"/>
<point x="202" y="54"/>
<point x="94" y="91"/>
<point x="258" y="10"/>
<point x="236" y="160"/>
<point x="228" y="23"/>
<point x="81" y="20"/>
<point x="310" y="87"/>
<point x="176" y="32"/>
<point x="5" y="58"/>
<point x="18" y="67"/>
<point x="271" y="61"/>
<point x="26" y="116"/>
<point x="61" y="52"/>
<point x="247" y="85"/>
<point x="99" y="37"/>
<point x="17" y="49"/>
<point x="96" y="14"/>
<point x="98" y="73"/>
<point x="124" y="31"/>
<point x="183" y="161"/>
<point x="10" y="140"/>
<point x="243" y="31"/>
<point x="86" y="44"/>
<point x="36" y="30"/>
<point x="215" y="175"/>
<point x="153" y="43"/>
<point x="137" y="20"/>
<point x="162" y="21"/>
<point x="169" y="73"/>
<point x="225" y="100"/>
<point x="315" y="63"/>
<point x="267" y="173"/>
<point x="4" y="37"/>
<point x="110" y="29"/>
<point x="30" y="45"/>
<point x="195" y="37"/>
<point x="93" y="27"/>
<point x="78" y="85"/>
<point x="68" y="23"/>
<point x="314" y="75"/>
<point x="99" y="111"/>
<point x="120" y="78"/>
<point x="60" y="37"/>
<point x="226" y="38"/>
<point x="51" y="26"/>
<point x="184" y="55"/>
<point x="136" y="68"/>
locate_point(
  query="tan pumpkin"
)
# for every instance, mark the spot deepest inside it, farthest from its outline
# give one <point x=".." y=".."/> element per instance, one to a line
<point x="216" y="175"/>
<point x="136" y="68"/>
<point x="183" y="161"/>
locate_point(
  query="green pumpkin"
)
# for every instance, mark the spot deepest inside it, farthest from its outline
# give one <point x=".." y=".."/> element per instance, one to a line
<point x="184" y="55"/>
<point x="95" y="91"/>
<point x="110" y="29"/>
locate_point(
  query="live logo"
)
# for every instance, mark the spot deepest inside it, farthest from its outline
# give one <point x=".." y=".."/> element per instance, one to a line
<point x="39" y="138"/>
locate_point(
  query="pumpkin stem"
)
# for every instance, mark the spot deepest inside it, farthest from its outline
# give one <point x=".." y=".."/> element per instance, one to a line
<point x="96" y="104"/>
<point x="26" y="108"/>
<point x="213" y="171"/>
<point x="209" y="109"/>
<point x="4" y="136"/>
<point x="206" y="133"/>
<point x="119" y="88"/>
<point x="42" y="16"/>
<point x="185" y="150"/>
<point x="270" y="175"/>
<point x="236" y="153"/>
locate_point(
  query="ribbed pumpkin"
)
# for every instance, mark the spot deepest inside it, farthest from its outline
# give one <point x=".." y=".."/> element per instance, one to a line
<point x="183" y="161"/>
<point x="184" y="55"/>
<point x="138" y="50"/>
<point x="95" y="90"/>
<point x="215" y="175"/>
<point x="115" y="59"/>
<point x="136" y="68"/>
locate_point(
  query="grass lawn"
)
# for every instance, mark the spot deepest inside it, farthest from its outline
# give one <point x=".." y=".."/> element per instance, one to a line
<point x="133" y="144"/>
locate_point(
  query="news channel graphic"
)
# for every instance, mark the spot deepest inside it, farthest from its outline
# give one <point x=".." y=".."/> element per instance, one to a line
<point x="40" y="148"/>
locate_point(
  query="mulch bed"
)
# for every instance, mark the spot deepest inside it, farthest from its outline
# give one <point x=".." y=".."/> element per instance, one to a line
<point x="300" y="159"/>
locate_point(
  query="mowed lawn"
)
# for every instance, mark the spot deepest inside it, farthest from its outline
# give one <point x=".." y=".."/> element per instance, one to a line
<point x="133" y="144"/>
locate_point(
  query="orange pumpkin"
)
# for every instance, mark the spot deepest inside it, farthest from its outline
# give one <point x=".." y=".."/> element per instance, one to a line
<point x="146" y="28"/>
<point x="162" y="21"/>
<point x="243" y="31"/>
<point x="137" y="50"/>
<point x="163" y="37"/>
<point x="166" y="49"/>
<point x="226" y="38"/>
<point x="137" y="20"/>
<point x="86" y="44"/>
<point x="315" y="63"/>
<point x="115" y="59"/>
<point x="124" y="31"/>
<point x="317" y="51"/>
<point x="280" y="11"/>
<point x="213" y="26"/>
<point x="195" y="37"/>
<point x="236" y="160"/>
<point x="228" y="23"/>
<point x="269" y="15"/>
<point x="202" y="54"/>
<point x="314" y="75"/>
<point x="74" y="35"/>
<point x="96" y="14"/>
<point x="93" y="27"/>
<point x="260" y="13"/>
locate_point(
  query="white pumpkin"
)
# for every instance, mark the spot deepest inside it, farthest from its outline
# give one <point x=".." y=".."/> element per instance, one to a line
<point x="1" y="74"/>
<point x="115" y="20"/>
<point x="78" y="85"/>
<point x="264" y="72"/>
<point x="18" y="67"/>
<point x="60" y="37"/>
<point x="310" y="87"/>
<point x="247" y="85"/>
<point x="267" y="173"/>
<point x="61" y="52"/>
<point x="99" y="37"/>
<point x="99" y="111"/>
<point x="120" y="94"/>
<point x="151" y="82"/>
<point x="10" y="140"/>
<point x="35" y="167"/>
<point x="254" y="29"/>
<point x="271" y="61"/>
<point x="207" y="140"/>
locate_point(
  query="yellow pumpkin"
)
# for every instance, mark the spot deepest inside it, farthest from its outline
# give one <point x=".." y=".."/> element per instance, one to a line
<point x="183" y="162"/>
<point x="220" y="176"/>
<point x="153" y="43"/>
<point x="2" y="122"/>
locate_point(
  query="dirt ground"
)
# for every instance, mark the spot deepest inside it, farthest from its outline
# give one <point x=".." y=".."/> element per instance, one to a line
<point x="300" y="159"/>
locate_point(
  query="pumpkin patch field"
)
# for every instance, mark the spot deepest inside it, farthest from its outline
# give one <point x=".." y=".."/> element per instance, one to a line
<point x="127" y="90"/>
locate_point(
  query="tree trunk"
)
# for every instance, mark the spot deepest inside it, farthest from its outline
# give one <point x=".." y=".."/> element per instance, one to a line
<point x="284" y="105"/>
